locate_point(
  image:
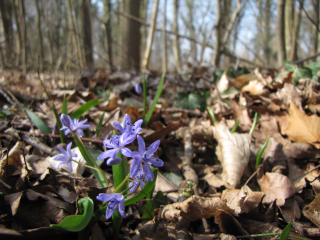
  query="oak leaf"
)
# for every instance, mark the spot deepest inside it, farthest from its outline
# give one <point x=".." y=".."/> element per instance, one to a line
<point x="303" y="128"/>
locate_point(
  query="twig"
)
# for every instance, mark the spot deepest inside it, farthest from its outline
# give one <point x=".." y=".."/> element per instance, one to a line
<point x="307" y="58"/>
<point x="310" y="19"/>
<point x="173" y="110"/>
<point x="36" y="143"/>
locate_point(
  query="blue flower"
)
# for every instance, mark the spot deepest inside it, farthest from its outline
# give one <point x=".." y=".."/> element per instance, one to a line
<point x="141" y="179"/>
<point x="133" y="129"/>
<point x="143" y="157"/>
<point x="66" y="156"/>
<point x="117" y="146"/>
<point x="75" y="125"/>
<point x="138" y="89"/>
<point x="115" y="201"/>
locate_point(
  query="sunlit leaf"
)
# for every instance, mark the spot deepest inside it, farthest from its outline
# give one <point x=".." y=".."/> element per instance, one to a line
<point x="301" y="72"/>
<point x="285" y="233"/>
<point x="289" y="66"/>
<point x="191" y="101"/>
<point x="84" y="108"/>
<point x="38" y="122"/>
<point x="76" y="223"/>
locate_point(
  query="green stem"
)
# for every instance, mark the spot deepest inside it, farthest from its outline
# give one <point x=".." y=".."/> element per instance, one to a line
<point x="117" y="190"/>
<point x="255" y="120"/>
<point x="99" y="174"/>
<point x="211" y="115"/>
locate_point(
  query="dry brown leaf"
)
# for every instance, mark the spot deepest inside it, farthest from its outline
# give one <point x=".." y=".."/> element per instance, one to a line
<point x="312" y="211"/>
<point x="228" y="224"/>
<point x="291" y="210"/>
<point x="241" y="113"/>
<point x="223" y="82"/>
<point x="289" y="94"/>
<point x="303" y="128"/>
<point x="233" y="151"/>
<point x="254" y="87"/>
<point x="193" y="208"/>
<point x="216" y="182"/>
<point x="301" y="151"/>
<point x="242" y="200"/>
<point x="243" y="80"/>
<point x="276" y="186"/>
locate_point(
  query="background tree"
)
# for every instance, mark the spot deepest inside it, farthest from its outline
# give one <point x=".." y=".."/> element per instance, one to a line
<point x="280" y="32"/>
<point x="87" y="33"/>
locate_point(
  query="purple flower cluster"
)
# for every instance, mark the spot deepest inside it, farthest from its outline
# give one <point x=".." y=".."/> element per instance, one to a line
<point x="141" y="163"/>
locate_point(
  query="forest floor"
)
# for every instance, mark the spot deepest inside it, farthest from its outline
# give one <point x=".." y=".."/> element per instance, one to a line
<point x="210" y="186"/>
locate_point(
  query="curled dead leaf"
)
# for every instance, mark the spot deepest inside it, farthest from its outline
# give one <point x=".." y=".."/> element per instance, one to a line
<point x="233" y="151"/>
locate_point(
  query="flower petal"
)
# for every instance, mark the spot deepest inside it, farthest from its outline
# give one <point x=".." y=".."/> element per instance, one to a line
<point x="60" y="158"/>
<point x="109" y="153"/>
<point x="135" y="155"/>
<point x="110" y="143"/>
<point x="138" y="88"/>
<point x="156" y="162"/>
<point x="119" y="127"/>
<point x="66" y="132"/>
<point x="103" y="197"/>
<point x="80" y="132"/>
<point x="70" y="166"/>
<point x="142" y="145"/>
<point x="126" y="138"/>
<point x="113" y="161"/>
<point x="64" y="152"/>
<point x="127" y="123"/>
<point x="152" y="148"/>
<point x="69" y="149"/>
<point x="109" y="212"/>
<point x="121" y="208"/>
<point x="135" y="167"/>
<point x="126" y="152"/>
<point x="134" y="185"/>
<point x="65" y="120"/>
<point x="147" y="171"/>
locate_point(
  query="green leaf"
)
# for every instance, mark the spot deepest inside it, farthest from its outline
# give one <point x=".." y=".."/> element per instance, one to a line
<point x="62" y="136"/>
<point x="289" y="66"/>
<point x="301" y="72"/>
<point x="6" y="112"/>
<point x="38" y="122"/>
<point x="75" y="223"/>
<point x="145" y="191"/>
<point x="260" y="153"/>
<point x="80" y="111"/>
<point x="235" y="126"/>
<point x="65" y="105"/>
<point x="286" y="231"/>
<point x="211" y="114"/>
<point x="98" y="129"/>
<point x="155" y="100"/>
<point x="151" y="205"/>
<point x="190" y="101"/>
<point x="315" y="67"/>
<point x="173" y="177"/>
<point x="101" y="178"/>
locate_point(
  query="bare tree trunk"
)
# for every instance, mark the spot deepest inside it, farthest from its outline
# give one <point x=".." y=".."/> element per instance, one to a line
<point x="19" y="15"/>
<point x="295" y="34"/>
<point x="41" y="51"/>
<point x="146" y="58"/>
<point x="144" y="16"/>
<point x="176" y="45"/>
<point x="87" y="33"/>
<point x="6" y="12"/>
<point x="267" y="38"/>
<point x="191" y="28"/>
<point x="289" y="25"/>
<point x="315" y="30"/>
<point x="130" y="36"/>
<point x="217" y="45"/>
<point x="71" y="14"/>
<point x="107" y="25"/>
<point x="164" y="38"/>
<point x="280" y="32"/>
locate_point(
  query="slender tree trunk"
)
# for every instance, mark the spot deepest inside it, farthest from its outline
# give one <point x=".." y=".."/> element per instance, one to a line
<point x="267" y="38"/>
<point x="164" y="38"/>
<point x="6" y="13"/>
<point x="295" y="33"/>
<point x="217" y="45"/>
<point x="87" y="33"/>
<point x="191" y="28"/>
<point x="107" y="25"/>
<point x="289" y="25"/>
<point x="315" y="30"/>
<point x="144" y="31"/>
<point x="19" y="15"/>
<point x="41" y="50"/>
<point x="71" y="14"/>
<point x="280" y="32"/>
<point x="130" y="36"/>
<point x="176" y="45"/>
<point x="147" y="53"/>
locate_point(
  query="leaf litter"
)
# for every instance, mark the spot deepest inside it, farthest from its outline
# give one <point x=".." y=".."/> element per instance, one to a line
<point x="210" y="184"/>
